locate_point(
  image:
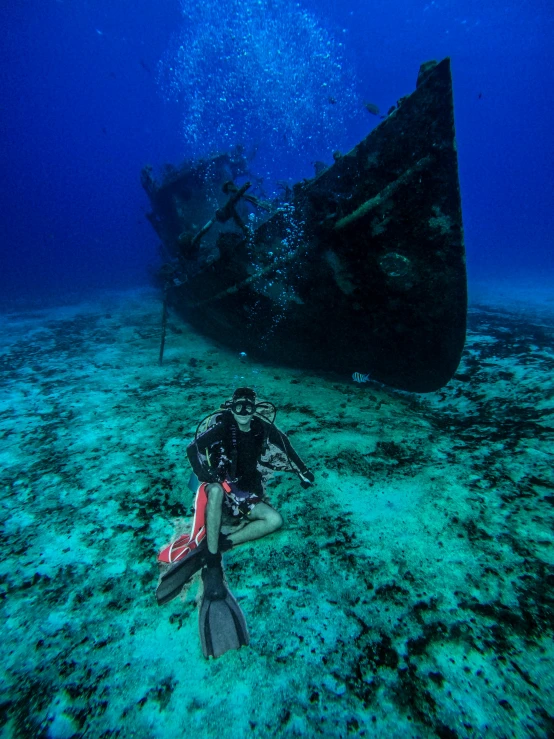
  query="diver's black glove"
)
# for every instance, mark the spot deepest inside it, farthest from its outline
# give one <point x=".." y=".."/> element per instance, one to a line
<point x="306" y="478"/>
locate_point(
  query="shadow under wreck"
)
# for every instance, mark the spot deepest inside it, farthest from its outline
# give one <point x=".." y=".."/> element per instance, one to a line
<point x="360" y="269"/>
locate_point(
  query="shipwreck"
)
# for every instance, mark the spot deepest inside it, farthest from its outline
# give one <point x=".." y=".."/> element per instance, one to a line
<point x="360" y="269"/>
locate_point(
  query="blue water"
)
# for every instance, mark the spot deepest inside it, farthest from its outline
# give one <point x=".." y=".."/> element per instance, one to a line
<point x="92" y="91"/>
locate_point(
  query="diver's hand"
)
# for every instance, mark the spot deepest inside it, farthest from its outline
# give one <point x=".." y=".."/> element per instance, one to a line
<point x="306" y="478"/>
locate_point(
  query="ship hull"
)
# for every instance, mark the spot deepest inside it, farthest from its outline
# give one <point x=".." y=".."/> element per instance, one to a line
<point x="364" y="269"/>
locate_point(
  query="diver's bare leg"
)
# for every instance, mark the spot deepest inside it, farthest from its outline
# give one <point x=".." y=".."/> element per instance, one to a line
<point x="262" y="520"/>
<point x="213" y="515"/>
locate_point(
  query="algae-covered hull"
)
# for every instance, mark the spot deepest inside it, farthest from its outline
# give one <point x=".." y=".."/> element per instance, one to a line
<point x="361" y="269"/>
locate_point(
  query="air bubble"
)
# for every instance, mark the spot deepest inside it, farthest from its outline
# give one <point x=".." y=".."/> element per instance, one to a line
<point x="258" y="70"/>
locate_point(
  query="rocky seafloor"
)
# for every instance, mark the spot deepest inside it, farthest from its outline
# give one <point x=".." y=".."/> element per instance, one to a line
<point x="410" y="592"/>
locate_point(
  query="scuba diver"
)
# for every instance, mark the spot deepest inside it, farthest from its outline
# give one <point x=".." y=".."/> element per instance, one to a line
<point x="234" y="452"/>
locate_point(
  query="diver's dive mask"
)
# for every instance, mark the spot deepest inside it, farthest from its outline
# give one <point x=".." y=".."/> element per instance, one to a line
<point x="243" y="408"/>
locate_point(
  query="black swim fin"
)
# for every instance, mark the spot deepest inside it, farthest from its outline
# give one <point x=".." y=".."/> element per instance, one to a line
<point x="221" y="621"/>
<point x="178" y="574"/>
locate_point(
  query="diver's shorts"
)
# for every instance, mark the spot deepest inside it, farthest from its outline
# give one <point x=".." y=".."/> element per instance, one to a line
<point x="238" y="502"/>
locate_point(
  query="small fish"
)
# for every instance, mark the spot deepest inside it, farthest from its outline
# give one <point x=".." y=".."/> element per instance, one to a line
<point x="358" y="377"/>
<point x="372" y="108"/>
<point x="332" y="101"/>
<point x="243" y="355"/>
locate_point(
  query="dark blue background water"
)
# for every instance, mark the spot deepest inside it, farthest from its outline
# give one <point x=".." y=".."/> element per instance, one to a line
<point x="82" y="113"/>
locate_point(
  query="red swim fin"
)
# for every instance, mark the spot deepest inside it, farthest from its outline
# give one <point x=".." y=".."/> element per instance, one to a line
<point x="187" y="542"/>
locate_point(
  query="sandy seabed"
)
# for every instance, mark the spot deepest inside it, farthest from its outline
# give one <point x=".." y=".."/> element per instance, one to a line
<point x="410" y="592"/>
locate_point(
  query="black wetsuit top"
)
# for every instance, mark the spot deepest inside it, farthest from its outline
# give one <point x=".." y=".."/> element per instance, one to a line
<point x="249" y="450"/>
<point x="224" y="452"/>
